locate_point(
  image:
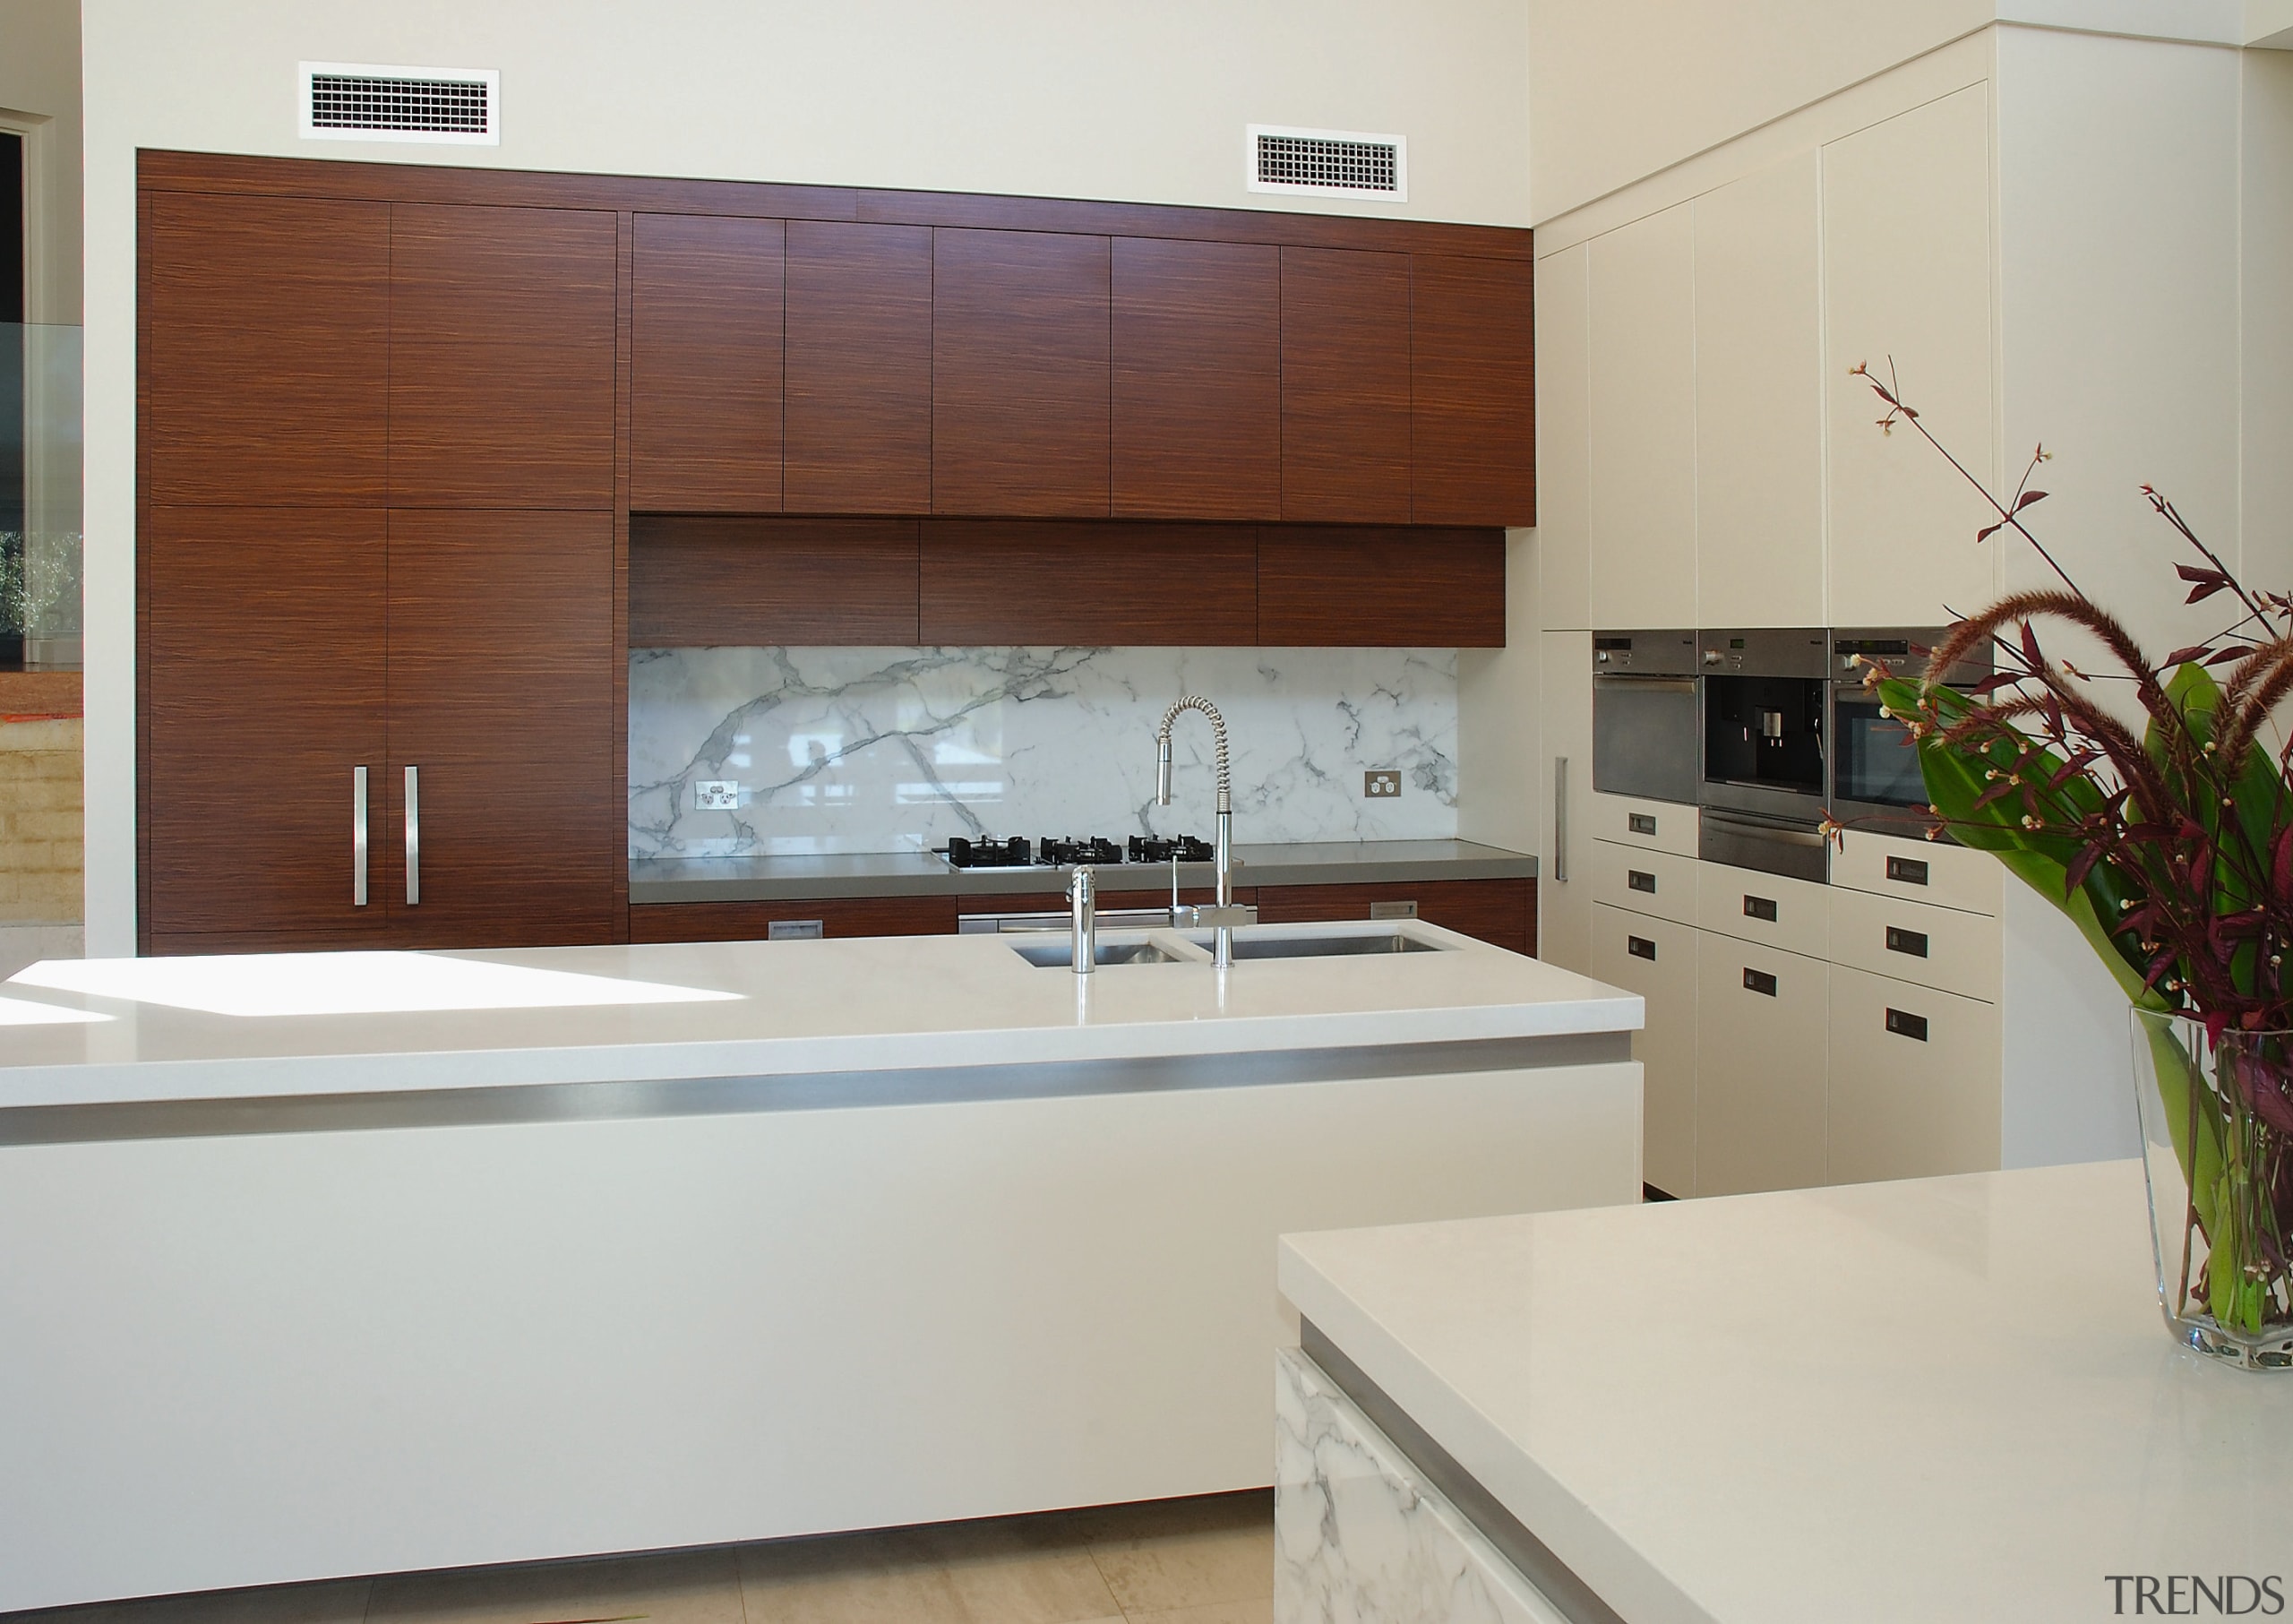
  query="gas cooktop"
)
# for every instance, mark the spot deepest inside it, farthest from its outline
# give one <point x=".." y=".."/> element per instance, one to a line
<point x="1053" y="851"/>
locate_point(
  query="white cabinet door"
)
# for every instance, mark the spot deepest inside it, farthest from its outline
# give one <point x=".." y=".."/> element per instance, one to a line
<point x="1656" y="958"/>
<point x="1564" y="877"/>
<point x="1914" y="1080"/>
<point x="1564" y="441"/>
<point x="1646" y="881"/>
<point x="1759" y="418"/>
<point x="1663" y="826"/>
<point x="1642" y="449"/>
<point x="1762" y="1039"/>
<point x="1907" y="275"/>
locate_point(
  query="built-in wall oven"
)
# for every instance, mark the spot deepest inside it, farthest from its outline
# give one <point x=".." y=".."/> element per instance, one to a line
<point x="1875" y="778"/>
<point x="1645" y="714"/>
<point x="1764" y="763"/>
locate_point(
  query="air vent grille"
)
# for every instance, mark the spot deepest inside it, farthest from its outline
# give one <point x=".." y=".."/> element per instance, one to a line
<point x="1327" y="163"/>
<point x="351" y="101"/>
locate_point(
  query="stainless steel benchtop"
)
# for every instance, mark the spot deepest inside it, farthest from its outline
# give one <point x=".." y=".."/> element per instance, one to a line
<point x="653" y="880"/>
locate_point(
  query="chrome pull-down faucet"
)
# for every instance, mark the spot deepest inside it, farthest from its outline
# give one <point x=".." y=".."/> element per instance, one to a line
<point x="1224" y="916"/>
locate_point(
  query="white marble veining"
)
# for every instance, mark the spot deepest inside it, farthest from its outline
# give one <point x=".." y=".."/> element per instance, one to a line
<point x="862" y="750"/>
<point x="1358" y="1535"/>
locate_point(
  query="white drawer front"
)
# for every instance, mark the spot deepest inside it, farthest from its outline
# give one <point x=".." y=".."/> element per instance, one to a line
<point x="1645" y="880"/>
<point x="1762" y="1030"/>
<point x="1942" y="948"/>
<point x="1656" y="958"/>
<point x="1918" y="871"/>
<point x="1794" y="915"/>
<point x="1914" y="1081"/>
<point x="1666" y="826"/>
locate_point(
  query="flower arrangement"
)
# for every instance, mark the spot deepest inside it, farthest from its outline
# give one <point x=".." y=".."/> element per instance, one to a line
<point x="2167" y="838"/>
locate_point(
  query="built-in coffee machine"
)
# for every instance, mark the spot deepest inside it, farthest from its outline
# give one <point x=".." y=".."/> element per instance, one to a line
<point x="1766" y="768"/>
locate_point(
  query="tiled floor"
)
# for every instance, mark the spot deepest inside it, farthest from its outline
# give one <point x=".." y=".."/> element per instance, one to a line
<point x="1198" y="1561"/>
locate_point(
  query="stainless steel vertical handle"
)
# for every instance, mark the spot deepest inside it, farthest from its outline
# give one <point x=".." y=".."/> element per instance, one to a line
<point x="413" y="836"/>
<point x="358" y="836"/>
<point x="1560" y="819"/>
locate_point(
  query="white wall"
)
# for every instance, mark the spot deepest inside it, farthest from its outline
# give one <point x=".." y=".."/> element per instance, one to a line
<point x="2266" y="312"/>
<point x="39" y="88"/>
<point x="1499" y="724"/>
<point x="1134" y="103"/>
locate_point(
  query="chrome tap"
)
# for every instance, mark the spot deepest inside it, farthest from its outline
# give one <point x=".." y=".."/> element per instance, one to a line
<point x="1224" y="916"/>
<point x="1082" y="901"/>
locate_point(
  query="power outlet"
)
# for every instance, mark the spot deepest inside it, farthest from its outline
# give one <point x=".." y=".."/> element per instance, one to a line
<point x="1381" y="784"/>
<point x="716" y="794"/>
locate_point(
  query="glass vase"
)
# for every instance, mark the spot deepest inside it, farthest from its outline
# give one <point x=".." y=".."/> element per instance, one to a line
<point x="2217" y="1143"/>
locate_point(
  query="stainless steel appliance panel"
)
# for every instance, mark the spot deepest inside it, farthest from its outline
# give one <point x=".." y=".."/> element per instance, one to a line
<point x="1645" y="714"/>
<point x="1797" y="850"/>
<point x="1763" y="723"/>
<point x="1874" y="774"/>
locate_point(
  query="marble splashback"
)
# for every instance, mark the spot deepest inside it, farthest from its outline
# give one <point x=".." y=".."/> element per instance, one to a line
<point x="887" y="750"/>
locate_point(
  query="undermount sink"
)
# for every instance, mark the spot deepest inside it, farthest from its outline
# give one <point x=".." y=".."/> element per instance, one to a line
<point x="1331" y="947"/>
<point x="1061" y="955"/>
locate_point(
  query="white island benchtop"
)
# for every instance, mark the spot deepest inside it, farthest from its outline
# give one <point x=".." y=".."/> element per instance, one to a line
<point x="121" y="1031"/>
<point x="337" y="1264"/>
<point x="1939" y="1399"/>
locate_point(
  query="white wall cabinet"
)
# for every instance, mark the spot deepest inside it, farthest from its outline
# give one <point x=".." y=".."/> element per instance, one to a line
<point x="1759" y="471"/>
<point x="1914" y="1080"/>
<point x="1564" y="376"/>
<point x="1642" y="396"/>
<point x="1907" y="278"/>
<point x="1763" y="1023"/>
<point x="1656" y="958"/>
<point x="1564" y="881"/>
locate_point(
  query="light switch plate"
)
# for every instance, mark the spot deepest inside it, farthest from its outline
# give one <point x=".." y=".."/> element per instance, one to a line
<point x="716" y="794"/>
<point x="1381" y="783"/>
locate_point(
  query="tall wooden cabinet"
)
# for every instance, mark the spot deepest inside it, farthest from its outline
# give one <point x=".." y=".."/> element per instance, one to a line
<point x="378" y="535"/>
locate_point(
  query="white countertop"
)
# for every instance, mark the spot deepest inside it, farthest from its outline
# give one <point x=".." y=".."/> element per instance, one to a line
<point x="1939" y="1399"/>
<point x="563" y="1014"/>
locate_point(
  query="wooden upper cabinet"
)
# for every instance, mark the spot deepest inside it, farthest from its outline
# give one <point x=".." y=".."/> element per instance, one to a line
<point x="698" y="582"/>
<point x="1374" y="586"/>
<point x="502" y="356"/>
<point x="1345" y="406"/>
<point x="1472" y="389"/>
<point x="1019" y="373"/>
<point x="992" y="582"/>
<point x="859" y="368"/>
<point x="705" y="375"/>
<point x="501" y="695"/>
<point x="263" y="657"/>
<point x="1198" y="380"/>
<point x="267" y="345"/>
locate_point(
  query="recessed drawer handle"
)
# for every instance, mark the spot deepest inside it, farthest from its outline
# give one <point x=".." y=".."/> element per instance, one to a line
<point x="795" y="930"/>
<point x="1759" y="908"/>
<point x="1640" y="823"/>
<point x="1759" y="981"/>
<point x="1904" y="1024"/>
<point x="1640" y="947"/>
<point x="1640" y="880"/>
<point x="1913" y="942"/>
<point x="1910" y="870"/>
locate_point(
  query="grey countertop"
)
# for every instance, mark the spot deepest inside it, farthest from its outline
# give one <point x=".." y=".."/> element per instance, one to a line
<point x="917" y="874"/>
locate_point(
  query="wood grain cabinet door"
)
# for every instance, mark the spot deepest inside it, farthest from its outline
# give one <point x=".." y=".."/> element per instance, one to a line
<point x="267" y="335"/>
<point x="705" y="363"/>
<point x="1198" y="380"/>
<point x="859" y="368"/>
<point x="1381" y="586"/>
<point x="502" y="356"/>
<point x="1344" y="386"/>
<point x="263" y="655"/>
<point x="1019" y="373"/>
<point x="1473" y="390"/>
<point x="501" y="698"/>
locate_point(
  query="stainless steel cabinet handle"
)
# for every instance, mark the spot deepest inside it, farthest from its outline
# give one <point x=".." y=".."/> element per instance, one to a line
<point x="1560" y="819"/>
<point x="413" y="836"/>
<point x="358" y="836"/>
